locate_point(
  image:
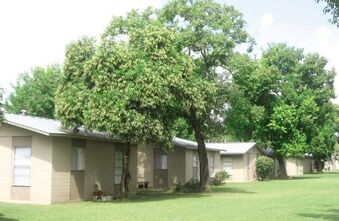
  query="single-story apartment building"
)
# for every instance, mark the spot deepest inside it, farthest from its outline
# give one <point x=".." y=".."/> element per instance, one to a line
<point x="238" y="159"/>
<point x="42" y="163"/>
<point x="159" y="169"/>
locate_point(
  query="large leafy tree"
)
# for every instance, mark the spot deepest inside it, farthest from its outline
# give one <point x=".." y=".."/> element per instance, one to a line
<point x="208" y="32"/>
<point x="154" y="67"/>
<point x="283" y="100"/>
<point x="35" y="92"/>
<point x="332" y="8"/>
<point x="127" y="84"/>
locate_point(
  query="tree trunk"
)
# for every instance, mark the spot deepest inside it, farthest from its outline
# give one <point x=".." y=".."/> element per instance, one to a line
<point x="319" y="165"/>
<point x="282" y="168"/>
<point x="203" y="161"/>
<point x="126" y="176"/>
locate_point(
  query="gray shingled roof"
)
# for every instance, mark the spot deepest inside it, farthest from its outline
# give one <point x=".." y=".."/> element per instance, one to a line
<point x="50" y="127"/>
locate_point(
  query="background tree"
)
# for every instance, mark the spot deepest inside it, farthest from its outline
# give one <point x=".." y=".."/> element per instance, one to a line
<point x="332" y="8"/>
<point x="283" y="99"/>
<point x="208" y="33"/>
<point x="35" y="92"/>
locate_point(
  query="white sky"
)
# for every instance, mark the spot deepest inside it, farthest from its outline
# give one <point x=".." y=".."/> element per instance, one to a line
<point x="35" y="32"/>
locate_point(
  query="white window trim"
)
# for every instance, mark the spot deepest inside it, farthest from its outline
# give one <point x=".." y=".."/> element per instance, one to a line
<point x="13" y="167"/>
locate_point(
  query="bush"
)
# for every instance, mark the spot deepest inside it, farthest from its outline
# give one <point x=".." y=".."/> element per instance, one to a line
<point x="219" y="178"/>
<point x="265" y="167"/>
<point x="191" y="186"/>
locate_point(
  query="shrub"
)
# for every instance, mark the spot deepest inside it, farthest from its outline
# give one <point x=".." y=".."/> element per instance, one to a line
<point x="219" y="178"/>
<point x="265" y="167"/>
<point x="191" y="186"/>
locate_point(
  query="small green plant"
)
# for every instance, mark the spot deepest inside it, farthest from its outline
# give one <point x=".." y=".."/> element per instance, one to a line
<point x="219" y="178"/>
<point x="191" y="186"/>
<point x="265" y="167"/>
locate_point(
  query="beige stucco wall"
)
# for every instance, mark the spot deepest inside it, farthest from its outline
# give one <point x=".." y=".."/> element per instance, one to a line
<point x="294" y="167"/>
<point x="180" y="163"/>
<point x="307" y="165"/>
<point x="41" y="167"/>
<point x="6" y="156"/>
<point x="61" y="169"/>
<point x="145" y="163"/>
<point x="238" y="167"/>
<point x="189" y="162"/>
<point x="99" y="168"/>
<point x="244" y="166"/>
<point x="176" y="165"/>
<point x="252" y="154"/>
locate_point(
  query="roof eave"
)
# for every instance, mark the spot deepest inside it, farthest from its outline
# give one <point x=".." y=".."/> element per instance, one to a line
<point x="27" y="128"/>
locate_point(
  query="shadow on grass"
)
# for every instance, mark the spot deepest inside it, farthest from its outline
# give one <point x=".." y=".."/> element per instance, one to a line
<point x="225" y="189"/>
<point x="3" y="218"/>
<point x="331" y="214"/>
<point x="303" y="177"/>
<point x="307" y="177"/>
<point x="331" y="173"/>
<point x="162" y="195"/>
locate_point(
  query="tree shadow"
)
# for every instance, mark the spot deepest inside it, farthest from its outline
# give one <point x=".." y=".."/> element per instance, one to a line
<point x="162" y="195"/>
<point x="304" y="177"/>
<point x="331" y="173"/>
<point x="330" y="214"/>
<point x="230" y="190"/>
<point x="3" y="218"/>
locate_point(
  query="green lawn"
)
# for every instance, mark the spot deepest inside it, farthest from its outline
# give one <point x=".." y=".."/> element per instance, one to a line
<point x="310" y="197"/>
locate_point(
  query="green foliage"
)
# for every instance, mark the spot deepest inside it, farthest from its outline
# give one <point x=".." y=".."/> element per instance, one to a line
<point x="183" y="129"/>
<point x="208" y="32"/>
<point x="264" y="167"/>
<point x="35" y="92"/>
<point x="283" y="99"/>
<point x="72" y="93"/>
<point x="219" y="178"/>
<point x="191" y="186"/>
<point x="332" y="8"/>
<point x="150" y="69"/>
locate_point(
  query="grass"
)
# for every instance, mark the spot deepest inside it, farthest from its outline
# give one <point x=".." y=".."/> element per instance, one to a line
<point x="309" y="197"/>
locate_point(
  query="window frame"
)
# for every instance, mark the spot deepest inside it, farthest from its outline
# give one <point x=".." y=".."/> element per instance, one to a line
<point x="195" y="169"/>
<point x="159" y="160"/>
<point x="75" y="164"/>
<point x="229" y="161"/>
<point x="211" y="165"/>
<point x="118" y="181"/>
<point x="28" y="167"/>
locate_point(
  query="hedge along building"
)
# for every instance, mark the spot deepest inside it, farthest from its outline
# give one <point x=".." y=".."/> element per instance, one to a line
<point x="42" y="163"/>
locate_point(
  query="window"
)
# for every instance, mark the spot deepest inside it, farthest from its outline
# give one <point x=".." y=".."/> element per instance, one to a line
<point x="211" y="164"/>
<point x="161" y="162"/>
<point x="78" y="158"/>
<point x="22" y="166"/>
<point x="227" y="165"/>
<point x="118" y="166"/>
<point x="195" y="167"/>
